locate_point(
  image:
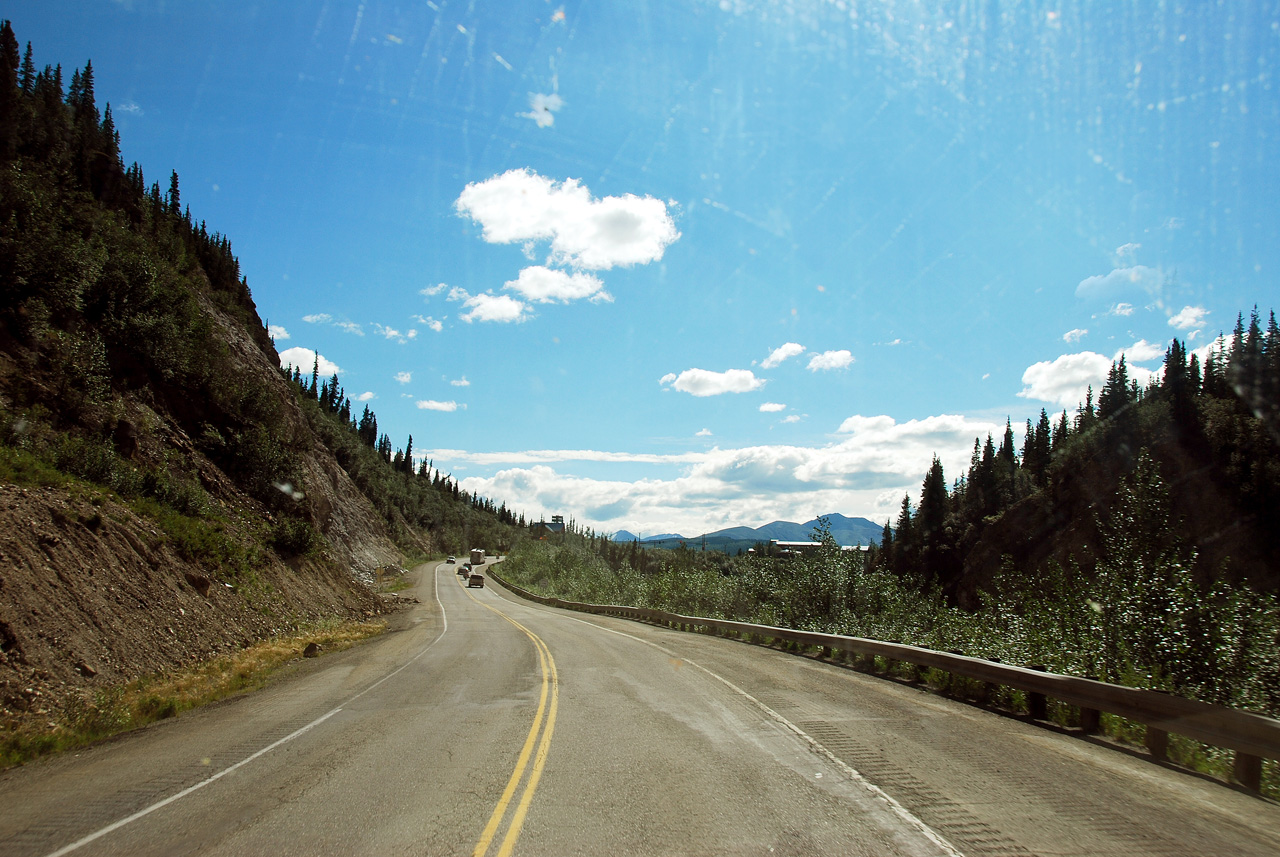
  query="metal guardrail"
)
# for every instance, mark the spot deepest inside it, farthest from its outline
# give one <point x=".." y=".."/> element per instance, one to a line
<point x="1252" y="737"/>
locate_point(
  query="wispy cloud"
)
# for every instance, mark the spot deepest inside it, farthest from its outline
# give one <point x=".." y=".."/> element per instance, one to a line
<point x="318" y="318"/>
<point x="781" y="353"/>
<point x="702" y="382"/>
<point x="433" y="405"/>
<point x="1074" y="335"/>
<point x="1120" y="282"/>
<point x="542" y="108"/>
<point x="393" y="334"/>
<point x="461" y="382"/>
<point x="829" y="360"/>
<point x="430" y="323"/>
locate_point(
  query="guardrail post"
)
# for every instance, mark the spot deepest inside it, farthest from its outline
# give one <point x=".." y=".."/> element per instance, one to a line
<point x="1157" y="742"/>
<point x="1247" y="771"/>
<point x="1090" y="718"/>
<point x="1037" y="704"/>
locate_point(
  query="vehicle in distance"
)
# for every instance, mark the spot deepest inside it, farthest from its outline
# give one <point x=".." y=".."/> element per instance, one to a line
<point x="451" y="560"/>
<point x="477" y="556"/>
<point x="475" y="580"/>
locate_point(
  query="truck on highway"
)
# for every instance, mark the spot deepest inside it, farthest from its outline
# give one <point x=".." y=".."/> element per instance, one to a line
<point x="477" y="556"/>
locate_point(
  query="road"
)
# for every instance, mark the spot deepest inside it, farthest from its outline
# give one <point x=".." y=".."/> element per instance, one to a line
<point x="488" y="725"/>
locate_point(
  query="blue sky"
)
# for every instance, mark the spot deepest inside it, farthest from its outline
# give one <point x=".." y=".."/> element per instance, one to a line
<point x="675" y="266"/>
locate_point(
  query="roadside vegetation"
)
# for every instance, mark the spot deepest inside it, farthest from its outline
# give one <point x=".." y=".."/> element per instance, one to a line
<point x="93" y="715"/>
<point x="1133" y="601"/>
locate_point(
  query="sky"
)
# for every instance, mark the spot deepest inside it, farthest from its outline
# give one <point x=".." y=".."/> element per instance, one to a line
<point x="671" y="266"/>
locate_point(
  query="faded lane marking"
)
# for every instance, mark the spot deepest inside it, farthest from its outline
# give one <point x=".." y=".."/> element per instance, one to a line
<point x="551" y="683"/>
<point x="903" y="814"/>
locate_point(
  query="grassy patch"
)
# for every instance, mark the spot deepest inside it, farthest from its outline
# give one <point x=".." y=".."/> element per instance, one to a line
<point x="109" y="711"/>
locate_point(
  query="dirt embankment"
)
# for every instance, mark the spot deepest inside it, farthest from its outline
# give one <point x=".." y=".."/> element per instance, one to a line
<point x="92" y="595"/>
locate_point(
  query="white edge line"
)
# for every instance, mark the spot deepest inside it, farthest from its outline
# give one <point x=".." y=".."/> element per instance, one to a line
<point x="896" y="808"/>
<point x="116" y="825"/>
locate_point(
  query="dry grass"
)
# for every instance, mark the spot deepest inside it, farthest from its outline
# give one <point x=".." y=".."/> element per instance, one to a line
<point x="105" y="712"/>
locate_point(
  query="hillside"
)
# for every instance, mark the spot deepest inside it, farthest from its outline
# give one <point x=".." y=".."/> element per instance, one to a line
<point x="168" y="493"/>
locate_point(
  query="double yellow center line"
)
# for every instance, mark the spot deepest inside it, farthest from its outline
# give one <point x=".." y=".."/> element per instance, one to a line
<point x="544" y="721"/>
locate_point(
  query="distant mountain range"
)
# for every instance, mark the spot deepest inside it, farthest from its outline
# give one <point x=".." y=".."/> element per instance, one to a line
<point x="846" y="531"/>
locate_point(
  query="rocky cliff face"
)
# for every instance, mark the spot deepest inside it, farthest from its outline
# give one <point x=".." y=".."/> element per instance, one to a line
<point x="93" y="593"/>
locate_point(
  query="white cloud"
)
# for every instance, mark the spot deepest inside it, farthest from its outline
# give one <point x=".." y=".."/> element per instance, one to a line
<point x="277" y="332"/>
<point x="1065" y="379"/>
<point x="864" y="474"/>
<point x="792" y="418"/>
<point x="706" y="432"/>
<point x="520" y="206"/>
<point x="366" y="396"/>
<point x="393" y="334"/>
<point x="1126" y="252"/>
<point x="1074" y="335"/>
<point x="130" y="107"/>
<point x="404" y="377"/>
<point x="305" y="360"/>
<point x="500" y="308"/>
<point x="461" y="382"/>
<point x="772" y="407"/>
<point x="1121" y="309"/>
<point x="545" y="285"/>
<point x="781" y="353"/>
<point x="1120" y="282"/>
<point x="429" y="322"/>
<point x="318" y="318"/>
<point x="431" y="291"/>
<point x="349" y="327"/>
<point x="828" y="360"/>
<point x="1140" y="352"/>
<point x="703" y="382"/>
<point x="542" y="108"/>
<point x="433" y="405"/>
<point x="1189" y="317"/>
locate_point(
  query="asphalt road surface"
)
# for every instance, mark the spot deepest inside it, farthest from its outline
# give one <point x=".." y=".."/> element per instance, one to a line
<point x="491" y="726"/>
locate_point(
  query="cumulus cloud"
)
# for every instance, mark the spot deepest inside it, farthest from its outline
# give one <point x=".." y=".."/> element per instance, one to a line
<point x="542" y="108"/>
<point x="1065" y="379"/>
<point x="703" y="382"/>
<point x="461" y="382"/>
<point x="781" y="353"/>
<point x="404" y="377"/>
<point x="305" y="359"/>
<point x="772" y="407"/>
<point x="366" y="396"/>
<point x="1189" y="317"/>
<point x="499" y="308"/>
<point x="430" y="291"/>
<point x="706" y="432"/>
<point x="520" y="206"/>
<point x="792" y="418"/>
<point x="1074" y="335"/>
<point x="547" y="285"/>
<point x="429" y="322"/>
<point x="433" y="405"/>
<point x="277" y="332"/>
<point x="1120" y="282"/>
<point x="828" y="360"/>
